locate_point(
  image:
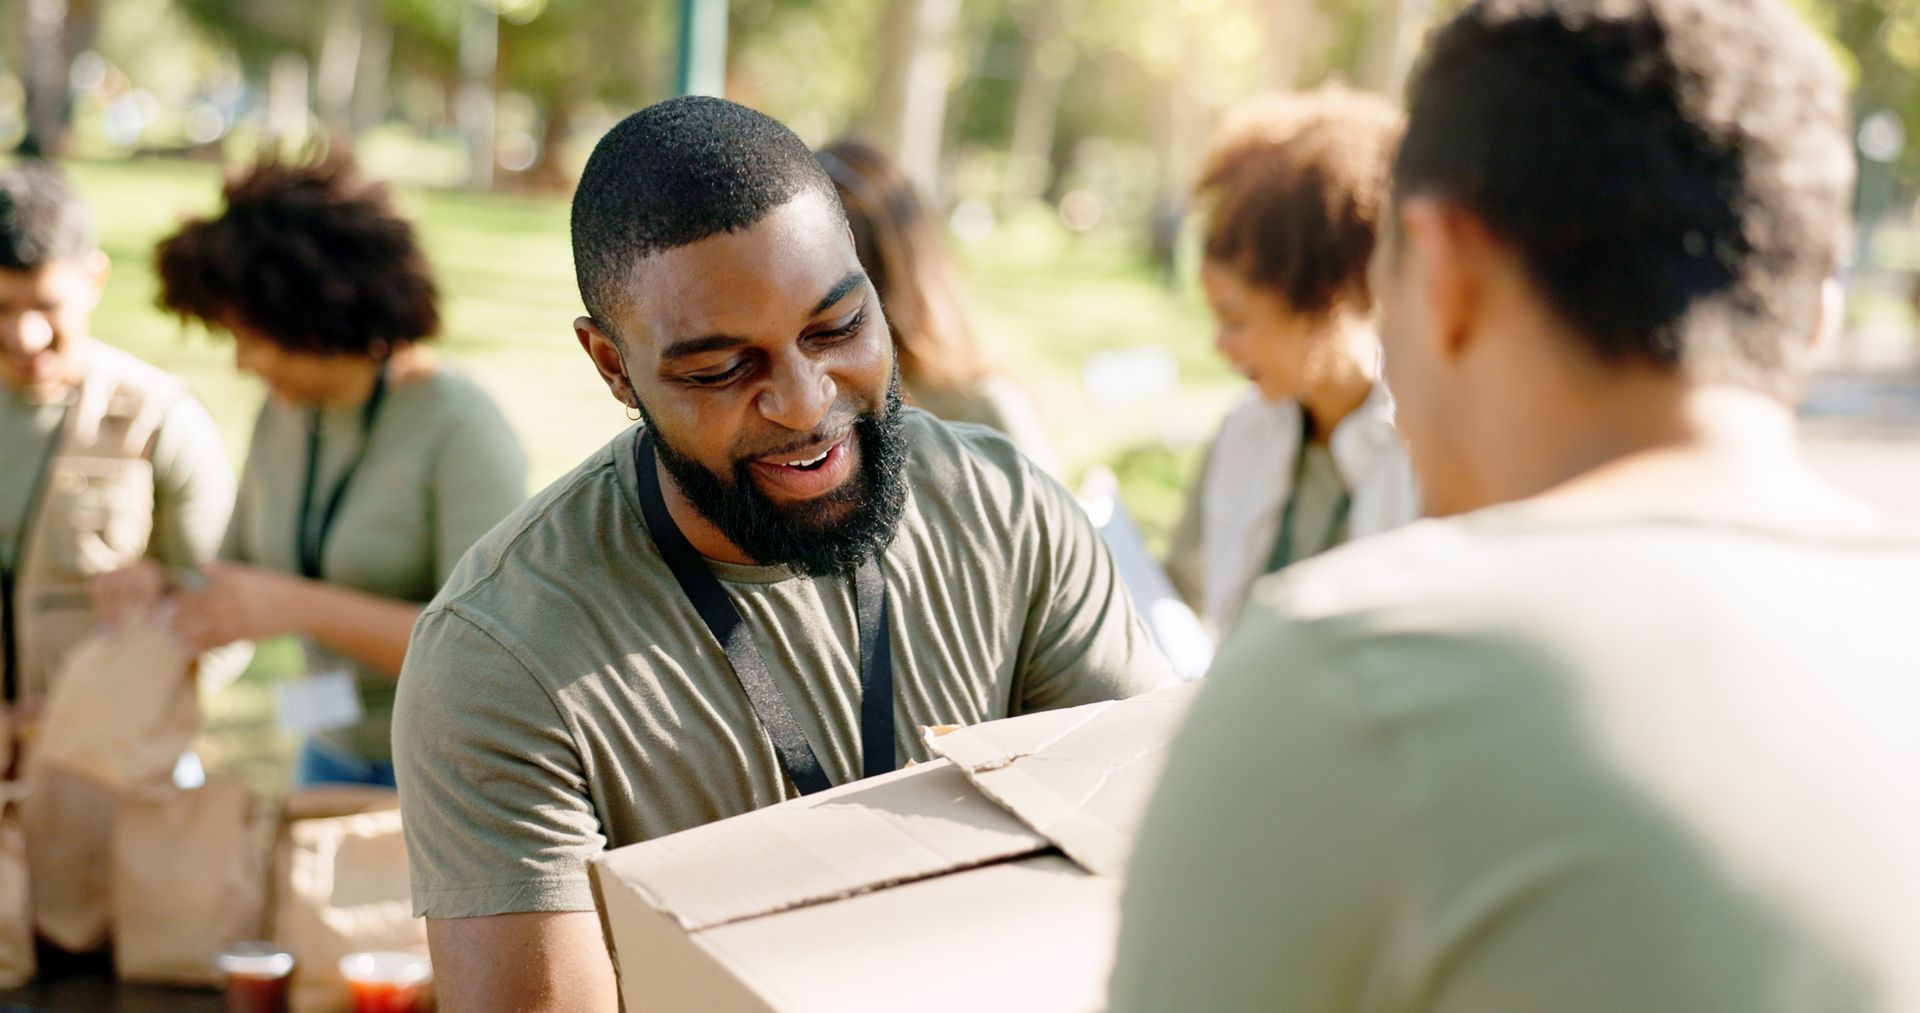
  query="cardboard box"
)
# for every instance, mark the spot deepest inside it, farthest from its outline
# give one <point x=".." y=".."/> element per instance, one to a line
<point x="985" y="880"/>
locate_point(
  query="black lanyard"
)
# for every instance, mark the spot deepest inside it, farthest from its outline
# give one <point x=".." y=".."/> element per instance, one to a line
<point x="723" y="620"/>
<point x="10" y="570"/>
<point x="310" y="540"/>
<point x="1283" y="546"/>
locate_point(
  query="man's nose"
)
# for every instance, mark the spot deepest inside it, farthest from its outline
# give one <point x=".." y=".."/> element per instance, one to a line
<point x="799" y="396"/>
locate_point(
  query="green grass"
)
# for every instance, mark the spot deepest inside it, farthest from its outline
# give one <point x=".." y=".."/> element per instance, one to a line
<point x="1045" y="300"/>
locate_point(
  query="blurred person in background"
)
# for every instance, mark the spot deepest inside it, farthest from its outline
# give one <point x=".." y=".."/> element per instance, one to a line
<point x="942" y="368"/>
<point x="105" y="461"/>
<point x="1294" y="188"/>
<point x="1631" y="729"/>
<point x="372" y="466"/>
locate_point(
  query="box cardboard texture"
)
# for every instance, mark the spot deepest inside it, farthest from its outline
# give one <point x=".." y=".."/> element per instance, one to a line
<point x="986" y="879"/>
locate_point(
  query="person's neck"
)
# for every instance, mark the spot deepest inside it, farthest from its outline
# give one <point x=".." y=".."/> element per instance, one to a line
<point x="699" y="532"/>
<point x="1347" y="378"/>
<point x="1647" y="438"/>
<point x="356" y="380"/>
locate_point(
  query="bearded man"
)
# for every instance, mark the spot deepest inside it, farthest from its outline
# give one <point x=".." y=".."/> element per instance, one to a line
<point x="759" y="591"/>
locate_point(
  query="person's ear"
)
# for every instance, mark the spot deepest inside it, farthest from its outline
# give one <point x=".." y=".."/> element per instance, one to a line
<point x="604" y="350"/>
<point x="1827" y="324"/>
<point x="98" y="268"/>
<point x="1445" y="253"/>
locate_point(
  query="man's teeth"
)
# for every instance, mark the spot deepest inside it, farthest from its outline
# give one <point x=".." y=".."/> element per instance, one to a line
<point x="811" y="462"/>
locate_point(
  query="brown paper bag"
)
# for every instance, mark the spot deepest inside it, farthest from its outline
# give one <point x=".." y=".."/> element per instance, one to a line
<point x="17" y="961"/>
<point x="189" y="879"/>
<point x="122" y="708"/>
<point x="68" y="825"/>
<point x="341" y="887"/>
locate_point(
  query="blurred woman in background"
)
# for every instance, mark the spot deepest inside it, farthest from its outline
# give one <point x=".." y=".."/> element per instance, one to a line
<point x="942" y="368"/>
<point x="1294" y="190"/>
<point x="372" y="467"/>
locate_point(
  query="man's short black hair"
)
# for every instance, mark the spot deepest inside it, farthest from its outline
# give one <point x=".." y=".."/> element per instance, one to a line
<point x="1674" y="174"/>
<point x="676" y="173"/>
<point x="42" y="218"/>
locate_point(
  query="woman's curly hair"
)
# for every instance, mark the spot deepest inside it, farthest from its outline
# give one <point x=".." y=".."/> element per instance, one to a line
<point x="1296" y="187"/>
<point x="311" y="255"/>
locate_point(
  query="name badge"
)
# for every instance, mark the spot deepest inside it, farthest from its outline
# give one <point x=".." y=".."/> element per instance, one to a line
<point x="319" y="703"/>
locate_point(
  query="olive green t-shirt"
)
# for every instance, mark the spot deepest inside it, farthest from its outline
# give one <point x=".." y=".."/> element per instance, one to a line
<point x="441" y="467"/>
<point x="192" y="476"/>
<point x="1527" y="761"/>
<point x="562" y="697"/>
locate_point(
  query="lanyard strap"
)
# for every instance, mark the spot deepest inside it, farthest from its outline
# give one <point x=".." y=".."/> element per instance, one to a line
<point x="1283" y="546"/>
<point x="723" y="620"/>
<point x="310" y="541"/>
<point x="10" y="570"/>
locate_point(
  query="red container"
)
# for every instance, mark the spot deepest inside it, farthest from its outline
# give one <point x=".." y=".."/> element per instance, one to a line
<point x="257" y="977"/>
<point x="386" y="982"/>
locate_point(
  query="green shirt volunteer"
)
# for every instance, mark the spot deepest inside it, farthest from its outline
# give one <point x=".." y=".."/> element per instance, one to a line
<point x="438" y="467"/>
<point x="562" y="696"/>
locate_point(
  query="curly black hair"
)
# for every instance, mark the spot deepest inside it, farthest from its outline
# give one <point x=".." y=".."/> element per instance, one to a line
<point x="1674" y="174"/>
<point x="311" y="255"/>
<point x="675" y="173"/>
<point x="42" y="218"/>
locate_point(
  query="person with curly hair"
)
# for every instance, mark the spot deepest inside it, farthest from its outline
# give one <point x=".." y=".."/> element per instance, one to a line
<point x="372" y="467"/>
<point x="942" y="367"/>
<point x="1294" y="188"/>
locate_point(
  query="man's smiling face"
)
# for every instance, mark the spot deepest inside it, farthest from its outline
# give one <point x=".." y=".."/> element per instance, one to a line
<point x="765" y="369"/>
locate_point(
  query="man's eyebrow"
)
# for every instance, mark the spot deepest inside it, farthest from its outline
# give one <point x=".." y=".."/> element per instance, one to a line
<point x="840" y="290"/>
<point x="695" y="346"/>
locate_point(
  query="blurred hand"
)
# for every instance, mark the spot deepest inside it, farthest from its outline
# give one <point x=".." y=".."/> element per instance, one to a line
<point x="236" y="603"/>
<point x="127" y="591"/>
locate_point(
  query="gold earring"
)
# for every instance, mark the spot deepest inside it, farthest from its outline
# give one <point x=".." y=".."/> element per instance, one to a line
<point x="633" y="412"/>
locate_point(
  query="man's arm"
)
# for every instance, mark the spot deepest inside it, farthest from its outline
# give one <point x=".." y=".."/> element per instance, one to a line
<point x="538" y="962"/>
<point x="1083" y="642"/>
<point x="193" y="486"/>
<point x="500" y="826"/>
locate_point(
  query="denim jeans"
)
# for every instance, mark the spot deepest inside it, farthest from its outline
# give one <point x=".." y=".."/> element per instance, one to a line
<point x="321" y="764"/>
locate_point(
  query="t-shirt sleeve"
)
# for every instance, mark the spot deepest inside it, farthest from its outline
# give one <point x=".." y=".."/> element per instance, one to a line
<point x="479" y="477"/>
<point x="496" y="804"/>
<point x="1083" y="641"/>
<point x="1271" y="853"/>
<point x="193" y="491"/>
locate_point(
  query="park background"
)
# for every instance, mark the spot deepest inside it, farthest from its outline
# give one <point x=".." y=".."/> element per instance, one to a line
<point x="1057" y="138"/>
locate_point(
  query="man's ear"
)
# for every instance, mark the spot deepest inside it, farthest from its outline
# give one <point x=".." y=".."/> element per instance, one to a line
<point x="1445" y="251"/>
<point x="98" y="268"/>
<point x="604" y="350"/>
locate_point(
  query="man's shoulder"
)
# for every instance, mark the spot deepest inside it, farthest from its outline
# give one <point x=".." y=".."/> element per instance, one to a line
<point x="130" y="374"/>
<point x="954" y="464"/>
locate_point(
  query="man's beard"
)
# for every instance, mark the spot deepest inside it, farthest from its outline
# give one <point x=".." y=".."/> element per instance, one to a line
<point x="827" y="536"/>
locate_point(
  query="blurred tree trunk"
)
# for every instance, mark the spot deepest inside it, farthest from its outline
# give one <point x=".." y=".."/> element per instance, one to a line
<point x="1393" y="36"/>
<point x="1046" y="60"/>
<point x="49" y="31"/>
<point x="1288" y="22"/>
<point x="479" y="60"/>
<point x="341" y="45"/>
<point x="1183" y="138"/>
<point x="371" y="102"/>
<point x="909" y="111"/>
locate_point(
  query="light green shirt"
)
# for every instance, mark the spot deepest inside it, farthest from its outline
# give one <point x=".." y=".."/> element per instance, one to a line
<point x="999" y="403"/>
<point x="442" y="467"/>
<point x="562" y="696"/>
<point x="192" y="477"/>
<point x="1518" y="761"/>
